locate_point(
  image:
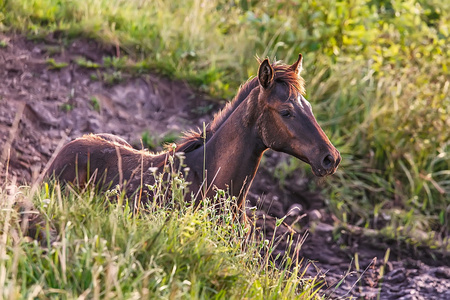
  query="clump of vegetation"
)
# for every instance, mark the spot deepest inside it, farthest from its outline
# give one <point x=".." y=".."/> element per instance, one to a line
<point x="155" y="143"/>
<point x="83" y="62"/>
<point x="3" y="43"/>
<point x="115" y="62"/>
<point x="113" y="77"/>
<point x="95" y="103"/>
<point x="66" y="107"/>
<point x="110" y="247"/>
<point x="56" y="65"/>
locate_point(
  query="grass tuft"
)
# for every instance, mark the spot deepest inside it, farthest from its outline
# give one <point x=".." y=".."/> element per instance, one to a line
<point x="108" y="247"/>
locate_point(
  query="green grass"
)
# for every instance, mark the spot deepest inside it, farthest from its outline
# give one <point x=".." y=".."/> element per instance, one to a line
<point x="52" y="64"/>
<point x="105" y="250"/>
<point x="95" y="104"/>
<point x="377" y="75"/>
<point x="82" y="62"/>
<point x="157" y="143"/>
<point x="66" y="107"/>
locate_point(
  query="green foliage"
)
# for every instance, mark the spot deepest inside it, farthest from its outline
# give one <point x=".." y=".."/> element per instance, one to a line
<point x="115" y="62"/>
<point x="83" y="62"/>
<point x="154" y="142"/>
<point x="106" y="248"/>
<point x="66" y="107"/>
<point x="95" y="103"/>
<point x="56" y="65"/>
<point x="111" y="78"/>
<point x="376" y="71"/>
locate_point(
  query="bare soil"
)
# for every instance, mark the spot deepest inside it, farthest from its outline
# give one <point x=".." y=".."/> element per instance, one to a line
<point x="44" y="105"/>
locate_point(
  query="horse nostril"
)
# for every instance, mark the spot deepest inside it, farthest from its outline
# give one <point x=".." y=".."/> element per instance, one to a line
<point x="328" y="161"/>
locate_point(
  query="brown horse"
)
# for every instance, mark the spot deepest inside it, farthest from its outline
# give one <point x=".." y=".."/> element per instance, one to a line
<point x="269" y="111"/>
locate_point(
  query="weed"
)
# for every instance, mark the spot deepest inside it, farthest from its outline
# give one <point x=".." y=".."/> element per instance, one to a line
<point x="66" y="107"/>
<point x="112" y="78"/>
<point x="115" y="62"/>
<point x="153" y="142"/>
<point x="83" y="62"/>
<point x="52" y="50"/>
<point x="148" y="141"/>
<point x="382" y="271"/>
<point x="95" y="103"/>
<point x="56" y="65"/>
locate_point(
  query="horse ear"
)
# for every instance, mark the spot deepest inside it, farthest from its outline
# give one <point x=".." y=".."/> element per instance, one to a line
<point x="298" y="65"/>
<point x="265" y="74"/>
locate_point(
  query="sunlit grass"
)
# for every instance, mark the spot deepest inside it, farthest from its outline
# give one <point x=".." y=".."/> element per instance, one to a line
<point x="104" y="250"/>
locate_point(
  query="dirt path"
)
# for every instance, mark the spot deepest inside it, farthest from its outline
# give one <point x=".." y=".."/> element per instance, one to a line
<point x="42" y="108"/>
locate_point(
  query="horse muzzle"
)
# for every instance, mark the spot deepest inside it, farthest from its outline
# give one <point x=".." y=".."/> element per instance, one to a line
<point x="327" y="165"/>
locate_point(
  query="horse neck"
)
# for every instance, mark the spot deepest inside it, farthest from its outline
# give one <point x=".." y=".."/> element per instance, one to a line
<point x="232" y="155"/>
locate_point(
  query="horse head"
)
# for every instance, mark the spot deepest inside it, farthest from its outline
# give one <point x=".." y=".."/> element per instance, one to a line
<point x="286" y="122"/>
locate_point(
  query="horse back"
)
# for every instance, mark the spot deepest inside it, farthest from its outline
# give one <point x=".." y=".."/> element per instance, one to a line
<point x="104" y="160"/>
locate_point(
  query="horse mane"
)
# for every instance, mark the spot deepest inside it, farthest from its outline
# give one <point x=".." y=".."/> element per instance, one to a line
<point x="194" y="139"/>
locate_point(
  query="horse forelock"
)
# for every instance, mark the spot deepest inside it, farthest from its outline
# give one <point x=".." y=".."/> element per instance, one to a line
<point x="284" y="74"/>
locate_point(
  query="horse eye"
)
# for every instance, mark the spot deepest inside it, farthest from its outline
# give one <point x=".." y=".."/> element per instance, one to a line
<point x="285" y="113"/>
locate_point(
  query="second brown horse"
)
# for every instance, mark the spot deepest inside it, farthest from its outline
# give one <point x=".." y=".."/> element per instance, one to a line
<point x="269" y="111"/>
